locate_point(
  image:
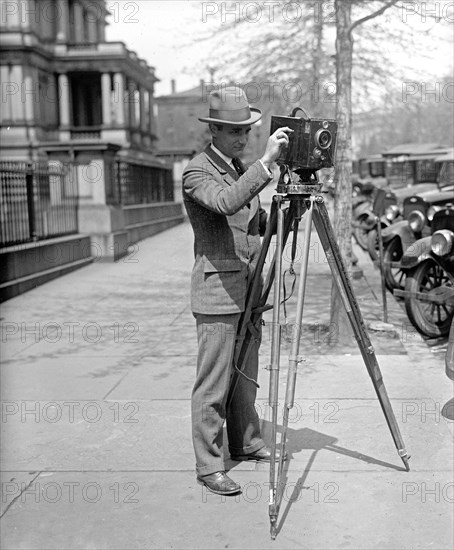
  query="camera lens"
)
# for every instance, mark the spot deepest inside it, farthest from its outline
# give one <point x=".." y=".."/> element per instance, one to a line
<point x="323" y="138"/>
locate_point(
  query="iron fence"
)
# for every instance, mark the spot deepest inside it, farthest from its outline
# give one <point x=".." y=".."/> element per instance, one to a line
<point x="37" y="201"/>
<point x="137" y="184"/>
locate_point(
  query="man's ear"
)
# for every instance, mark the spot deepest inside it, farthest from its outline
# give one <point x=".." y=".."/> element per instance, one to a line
<point x="213" y="130"/>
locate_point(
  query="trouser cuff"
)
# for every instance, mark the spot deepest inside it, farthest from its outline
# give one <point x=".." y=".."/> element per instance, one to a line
<point x="210" y="468"/>
<point x="235" y="451"/>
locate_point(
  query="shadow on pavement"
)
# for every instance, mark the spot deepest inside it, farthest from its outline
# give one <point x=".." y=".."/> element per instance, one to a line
<point x="304" y="439"/>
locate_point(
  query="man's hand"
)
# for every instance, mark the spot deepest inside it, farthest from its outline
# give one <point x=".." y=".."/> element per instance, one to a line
<point x="274" y="145"/>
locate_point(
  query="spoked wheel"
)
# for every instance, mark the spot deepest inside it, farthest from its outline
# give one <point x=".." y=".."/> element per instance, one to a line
<point x="431" y="319"/>
<point x="361" y="233"/>
<point x="372" y="244"/>
<point x="394" y="276"/>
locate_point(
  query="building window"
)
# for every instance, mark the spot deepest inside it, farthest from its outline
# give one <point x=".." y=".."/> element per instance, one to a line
<point x="86" y="99"/>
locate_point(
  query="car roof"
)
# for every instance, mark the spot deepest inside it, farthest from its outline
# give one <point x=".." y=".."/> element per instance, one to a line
<point x="413" y="149"/>
<point x="449" y="156"/>
<point x="441" y="154"/>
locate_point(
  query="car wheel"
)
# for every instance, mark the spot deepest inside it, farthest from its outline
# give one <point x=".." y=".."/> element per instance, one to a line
<point x="372" y="244"/>
<point x="361" y="233"/>
<point x="394" y="276"/>
<point x="431" y="319"/>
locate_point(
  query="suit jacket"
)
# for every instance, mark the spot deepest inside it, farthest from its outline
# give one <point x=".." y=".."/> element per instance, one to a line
<point x="227" y="220"/>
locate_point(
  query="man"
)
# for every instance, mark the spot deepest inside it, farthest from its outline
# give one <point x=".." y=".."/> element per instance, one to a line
<point x="221" y="199"/>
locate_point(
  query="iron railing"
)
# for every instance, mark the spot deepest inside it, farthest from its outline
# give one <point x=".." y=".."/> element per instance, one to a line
<point x="137" y="184"/>
<point x="37" y="201"/>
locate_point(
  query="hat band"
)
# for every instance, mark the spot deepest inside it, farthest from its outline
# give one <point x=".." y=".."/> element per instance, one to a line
<point x="238" y="115"/>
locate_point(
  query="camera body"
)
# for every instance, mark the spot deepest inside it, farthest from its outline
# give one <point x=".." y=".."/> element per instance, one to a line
<point x="312" y="145"/>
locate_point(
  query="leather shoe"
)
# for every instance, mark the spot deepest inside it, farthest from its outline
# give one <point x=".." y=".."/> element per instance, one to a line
<point x="219" y="483"/>
<point x="262" y="455"/>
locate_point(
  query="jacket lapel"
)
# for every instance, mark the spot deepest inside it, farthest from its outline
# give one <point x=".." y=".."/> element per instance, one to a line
<point x="220" y="164"/>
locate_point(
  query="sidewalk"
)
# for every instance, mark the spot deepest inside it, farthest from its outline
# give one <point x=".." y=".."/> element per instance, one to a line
<point x="97" y="371"/>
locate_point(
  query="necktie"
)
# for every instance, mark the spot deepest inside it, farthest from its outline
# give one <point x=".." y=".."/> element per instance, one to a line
<point x="236" y="163"/>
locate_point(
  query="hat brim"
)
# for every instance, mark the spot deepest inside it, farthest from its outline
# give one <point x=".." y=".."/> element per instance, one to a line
<point x="256" y="115"/>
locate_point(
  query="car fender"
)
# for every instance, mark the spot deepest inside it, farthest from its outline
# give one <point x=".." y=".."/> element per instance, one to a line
<point x="400" y="230"/>
<point x="397" y="229"/>
<point x="361" y="209"/>
<point x="365" y="219"/>
<point x="416" y="253"/>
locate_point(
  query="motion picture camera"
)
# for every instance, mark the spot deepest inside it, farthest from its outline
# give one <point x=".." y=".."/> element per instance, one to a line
<point x="312" y="145"/>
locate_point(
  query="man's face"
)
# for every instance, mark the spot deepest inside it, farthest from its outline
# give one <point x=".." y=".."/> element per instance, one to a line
<point x="231" y="140"/>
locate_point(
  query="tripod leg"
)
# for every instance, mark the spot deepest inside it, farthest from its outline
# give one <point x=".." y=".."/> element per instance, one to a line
<point x="294" y="359"/>
<point x="257" y="296"/>
<point x="327" y="238"/>
<point x="274" y="366"/>
<point x="244" y="337"/>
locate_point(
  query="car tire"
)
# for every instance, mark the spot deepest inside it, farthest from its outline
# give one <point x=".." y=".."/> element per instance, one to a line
<point x="361" y="233"/>
<point x="394" y="277"/>
<point x="433" y="320"/>
<point x="372" y="245"/>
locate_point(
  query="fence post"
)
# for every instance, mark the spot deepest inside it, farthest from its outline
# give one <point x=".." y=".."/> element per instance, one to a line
<point x="30" y="201"/>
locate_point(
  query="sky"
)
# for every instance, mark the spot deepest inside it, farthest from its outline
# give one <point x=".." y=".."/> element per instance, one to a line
<point x="161" y="32"/>
<point x="165" y="32"/>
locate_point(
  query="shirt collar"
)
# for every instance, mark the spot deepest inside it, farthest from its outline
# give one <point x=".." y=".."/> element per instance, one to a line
<point x="227" y="159"/>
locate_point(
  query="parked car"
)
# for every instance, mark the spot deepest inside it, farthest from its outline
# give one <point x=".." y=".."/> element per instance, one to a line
<point x="418" y="212"/>
<point x="371" y="171"/>
<point x="432" y="179"/>
<point x="429" y="285"/>
<point x="401" y="170"/>
<point x="386" y="210"/>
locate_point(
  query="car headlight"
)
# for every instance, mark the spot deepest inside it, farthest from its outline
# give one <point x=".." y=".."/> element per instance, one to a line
<point x="442" y="242"/>
<point x="391" y="212"/>
<point x="416" y="221"/>
<point x="432" y="211"/>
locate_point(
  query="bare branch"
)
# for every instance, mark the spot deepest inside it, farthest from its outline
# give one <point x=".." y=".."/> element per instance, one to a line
<point x="371" y="15"/>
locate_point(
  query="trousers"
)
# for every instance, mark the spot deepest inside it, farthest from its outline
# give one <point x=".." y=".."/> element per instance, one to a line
<point x="216" y="336"/>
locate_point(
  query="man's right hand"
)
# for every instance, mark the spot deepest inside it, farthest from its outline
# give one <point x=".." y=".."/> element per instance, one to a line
<point x="274" y="145"/>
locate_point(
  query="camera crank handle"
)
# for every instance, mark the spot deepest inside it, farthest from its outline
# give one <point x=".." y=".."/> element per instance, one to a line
<point x="296" y="109"/>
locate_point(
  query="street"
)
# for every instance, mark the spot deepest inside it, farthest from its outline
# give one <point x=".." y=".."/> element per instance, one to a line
<point x="96" y="379"/>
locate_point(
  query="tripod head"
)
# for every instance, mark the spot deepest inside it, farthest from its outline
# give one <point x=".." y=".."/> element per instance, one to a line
<point x="299" y="182"/>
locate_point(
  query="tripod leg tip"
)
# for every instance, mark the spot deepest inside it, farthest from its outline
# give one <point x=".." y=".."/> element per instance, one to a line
<point x="273" y="530"/>
<point x="405" y="461"/>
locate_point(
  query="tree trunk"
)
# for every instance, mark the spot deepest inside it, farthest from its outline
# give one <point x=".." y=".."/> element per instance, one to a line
<point x="340" y="328"/>
<point x="316" y="108"/>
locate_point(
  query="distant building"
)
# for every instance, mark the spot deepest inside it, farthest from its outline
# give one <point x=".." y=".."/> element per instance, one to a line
<point x="73" y="100"/>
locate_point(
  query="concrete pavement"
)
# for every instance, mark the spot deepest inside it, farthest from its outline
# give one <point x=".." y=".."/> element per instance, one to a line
<point x="96" y="376"/>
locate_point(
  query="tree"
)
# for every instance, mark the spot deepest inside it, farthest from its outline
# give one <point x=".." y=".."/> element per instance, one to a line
<point x="343" y="193"/>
